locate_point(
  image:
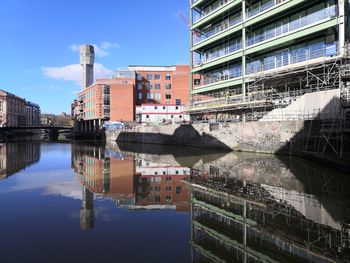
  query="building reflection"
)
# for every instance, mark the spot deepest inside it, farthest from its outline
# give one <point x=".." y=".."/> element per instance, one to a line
<point x="17" y="156"/>
<point x="132" y="183"/>
<point x="242" y="221"/>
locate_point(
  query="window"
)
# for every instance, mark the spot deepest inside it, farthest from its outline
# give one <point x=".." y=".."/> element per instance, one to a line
<point x="168" y="86"/>
<point x="156" y="86"/>
<point x="139" y="86"/>
<point x="139" y="77"/>
<point x="178" y="189"/>
<point x="197" y="82"/>
<point x="156" y="76"/>
<point x="149" y="86"/>
<point x="140" y="96"/>
<point x="157" y="96"/>
<point x="168" y="188"/>
<point x="149" y="95"/>
<point x="149" y="76"/>
<point x="168" y="77"/>
<point x="168" y="96"/>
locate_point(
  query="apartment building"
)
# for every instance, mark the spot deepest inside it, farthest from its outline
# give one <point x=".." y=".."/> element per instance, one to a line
<point x="162" y="84"/>
<point x="16" y="111"/>
<point x="115" y="99"/>
<point x="249" y="57"/>
<point x="33" y="114"/>
<point x="105" y="100"/>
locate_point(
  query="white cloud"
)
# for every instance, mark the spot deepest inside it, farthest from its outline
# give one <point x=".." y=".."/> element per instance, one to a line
<point x="101" y="50"/>
<point x="73" y="72"/>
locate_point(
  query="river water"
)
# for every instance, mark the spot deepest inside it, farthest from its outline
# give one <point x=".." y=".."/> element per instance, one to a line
<point x="86" y="202"/>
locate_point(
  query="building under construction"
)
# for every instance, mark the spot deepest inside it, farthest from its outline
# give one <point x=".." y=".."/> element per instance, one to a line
<point x="269" y="60"/>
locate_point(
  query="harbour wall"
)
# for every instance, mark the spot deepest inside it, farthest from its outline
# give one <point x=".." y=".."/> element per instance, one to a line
<point x="263" y="137"/>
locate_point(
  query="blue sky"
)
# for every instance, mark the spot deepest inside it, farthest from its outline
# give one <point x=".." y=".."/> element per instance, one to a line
<point x="39" y="40"/>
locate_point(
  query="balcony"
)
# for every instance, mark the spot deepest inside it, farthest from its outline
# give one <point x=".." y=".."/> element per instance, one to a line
<point x="221" y="51"/>
<point x="297" y="54"/>
<point x="220" y="27"/>
<point x="212" y="11"/>
<point x="289" y="24"/>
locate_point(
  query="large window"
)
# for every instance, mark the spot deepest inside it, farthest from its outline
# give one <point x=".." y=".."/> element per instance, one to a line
<point x="310" y="50"/>
<point x="168" y="86"/>
<point x="297" y="20"/>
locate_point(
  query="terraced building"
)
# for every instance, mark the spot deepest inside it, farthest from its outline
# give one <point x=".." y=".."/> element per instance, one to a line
<point x="261" y="59"/>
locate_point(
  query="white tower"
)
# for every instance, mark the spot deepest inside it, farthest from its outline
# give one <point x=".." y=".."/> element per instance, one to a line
<point x="87" y="57"/>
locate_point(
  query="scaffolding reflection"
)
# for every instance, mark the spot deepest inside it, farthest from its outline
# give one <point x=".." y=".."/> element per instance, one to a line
<point x="237" y="221"/>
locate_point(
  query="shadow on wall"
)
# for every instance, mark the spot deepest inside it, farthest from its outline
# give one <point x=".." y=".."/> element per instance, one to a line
<point x="325" y="134"/>
<point x="183" y="135"/>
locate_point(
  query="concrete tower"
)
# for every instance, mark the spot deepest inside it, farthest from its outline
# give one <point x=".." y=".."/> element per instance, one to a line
<point x="87" y="215"/>
<point x="87" y="57"/>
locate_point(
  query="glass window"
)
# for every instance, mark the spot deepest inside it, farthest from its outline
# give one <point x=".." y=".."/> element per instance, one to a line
<point x="168" y="86"/>
<point x="294" y="22"/>
<point x="140" y="96"/>
<point x="269" y="62"/>
<point x="298" y="54"/>
<point x="168" y="77"/>
<point x="156" y="76"/>
<point x="149" y="86"/>
<point x="149" y="76"/>
<point x="139" y="86"/>
<point x="156" y="86"/>
<point x="149" y="96"/>
<point x="168" y="96"/>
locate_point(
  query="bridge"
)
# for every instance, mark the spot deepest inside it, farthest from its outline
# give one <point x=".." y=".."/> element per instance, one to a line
<point x="52" y="131"/>
<point x="48" y="128"/>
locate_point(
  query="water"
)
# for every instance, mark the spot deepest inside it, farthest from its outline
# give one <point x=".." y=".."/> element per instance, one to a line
<point x="147" y="203"/>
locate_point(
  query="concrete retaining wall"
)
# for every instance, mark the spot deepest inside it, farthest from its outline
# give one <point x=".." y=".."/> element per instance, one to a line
<point x="266" y="137"/>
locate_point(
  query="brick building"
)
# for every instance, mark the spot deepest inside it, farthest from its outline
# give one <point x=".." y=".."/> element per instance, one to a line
<point x="115" y="99"/>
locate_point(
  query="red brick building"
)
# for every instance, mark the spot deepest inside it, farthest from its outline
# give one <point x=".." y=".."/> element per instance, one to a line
<point x="115" y="99"/>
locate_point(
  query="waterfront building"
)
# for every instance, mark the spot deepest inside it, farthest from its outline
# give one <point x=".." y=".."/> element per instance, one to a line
<point x="32" y="114"/>
<point x="257" y="60"/>
<point x="115" y="99"/>
<point x="17" y="112"/>
<point x="161" y="113"/>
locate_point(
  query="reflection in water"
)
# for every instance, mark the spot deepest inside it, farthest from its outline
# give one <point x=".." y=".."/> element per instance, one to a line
<point x="234" y="207"/>
<point x="16" y="156"/>
<point x="132" y="182"/>
<point x="243" y="221"/>
<point x="244" y="207"/>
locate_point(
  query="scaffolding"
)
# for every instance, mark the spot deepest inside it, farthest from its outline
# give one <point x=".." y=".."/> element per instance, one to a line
<point x="278" y="88"/>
